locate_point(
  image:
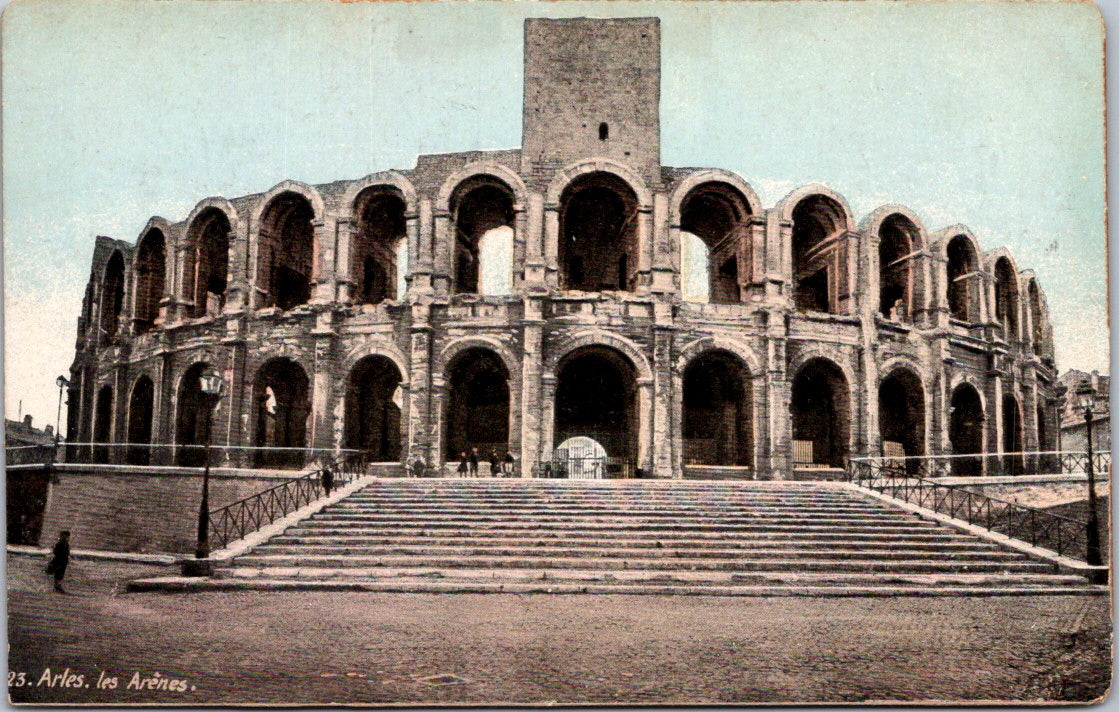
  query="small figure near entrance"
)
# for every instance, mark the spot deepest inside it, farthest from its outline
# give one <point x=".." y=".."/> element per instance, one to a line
<point x="495" y="464"/>
<point x="60" y="559"/>
<point x="508" y="469"/>
<point x="327" y="480"/>
<point x="473" y="462"/>
<point x="463" y="465"/>
<point x="419" y="467"/>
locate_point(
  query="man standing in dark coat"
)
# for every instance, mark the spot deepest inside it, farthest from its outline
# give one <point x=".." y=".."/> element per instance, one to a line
<point x="59" y="560"/>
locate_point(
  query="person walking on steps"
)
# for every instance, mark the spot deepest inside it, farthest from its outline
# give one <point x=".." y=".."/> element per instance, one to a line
<point x="507" y="470"/>
<point x="473" y="462"/>
<point x="327" y="480"/>
<point x="463" y="464"/>
<point x="495" y="464"/>
<point x="59" y="560"/>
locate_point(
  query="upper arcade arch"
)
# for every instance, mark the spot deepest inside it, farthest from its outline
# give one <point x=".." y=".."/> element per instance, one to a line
<point x="482" y="208"/>
<point x="820" y="221"/>
<point x="284" y="231"/>
<point x="112" y="297"/>
<point x="210" y="231"/>
<point x="381" y="230"/>
<point x="901" y="241"/>
<point x="151" y="273"/>
<point x="565" y="177"/>
<point x="601" y="337"/>
<point x="963" y="274"/>
<point x="1007" y="293"/>
<point x="598" y="233"/>
<point x="720" y="215"/>
<point x="1041" y="338"/>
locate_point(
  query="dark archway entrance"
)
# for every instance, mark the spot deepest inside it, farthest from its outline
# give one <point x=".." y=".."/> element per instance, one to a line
<point x="598" y="234"/>
<point x="103" y="423"/>
<point x="596" y="397"/>
<point x="140" y="412"/>
<point x="965" y="430"/>
<point x="207" y="263"/>
<point x="719" y="215"/>
<point x="373" y="409"/>
<point x="964" y="281"/>
<point x="1012" y="436"/>
<point x="480" y="205"/>
<point x="150" y="271"/>
<point x="901" y="414"/>
<point x="821" y="414"/>
<point x="1006" y="299"/>
<point x="112" y="298"/>
<point x="898" y="240"/>
<point x="717" y="423"/>
<point x="281" y="397"/>
<point x="477" y="413"/>
<point x="818" y="253"/>
<point x="190" y="428"/>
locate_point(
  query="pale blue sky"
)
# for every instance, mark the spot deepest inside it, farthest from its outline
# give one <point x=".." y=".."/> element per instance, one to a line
<point x="986" y="114"/>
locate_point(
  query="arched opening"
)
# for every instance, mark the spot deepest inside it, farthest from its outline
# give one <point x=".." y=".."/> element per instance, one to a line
<point x="381" y="228"/>
<point x="286" y="253"/>
<point x="140" y="412"/>
<point x="718" y="215"/>
<point x="965" y="430"/>
<point x="598" y="233"/>
<point x="112" y="297"/>
<point x="1037" y="320"/>
<point x="477" y="411"/>
<point x="151" y="266"/>
<point x="717" y="425"/>
<point x="821" y="415"/>
<point x="103" y="423"/>
<point x="1006" y="298"/>
<point x="207" y="263"/>
<point x="963" y="280"/>
<point x="1012" y="436"/>
<point x="819" y="223"/>
<point x="596" y="398"/>
<point x="899" y="239"/>
<point x="482" y="207"/>
<point x="281" y="397"/>
<point x="901" y="414"/>
<point x="190" y="425"/>
<point x="373" y="402"/>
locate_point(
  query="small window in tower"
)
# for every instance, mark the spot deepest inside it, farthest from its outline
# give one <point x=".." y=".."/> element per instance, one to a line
<point x="603" y="131"/>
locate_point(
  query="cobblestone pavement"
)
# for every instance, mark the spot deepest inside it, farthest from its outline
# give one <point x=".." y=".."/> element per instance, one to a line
<point x="311" y="647"/>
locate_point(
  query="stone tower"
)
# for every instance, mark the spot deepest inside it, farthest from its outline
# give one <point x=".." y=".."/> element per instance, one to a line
<point x="592" y="88"/>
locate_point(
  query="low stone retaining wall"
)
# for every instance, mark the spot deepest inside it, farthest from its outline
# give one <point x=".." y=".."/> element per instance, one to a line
<point x="138" y="510"/>
<point x="1033" y="490"/>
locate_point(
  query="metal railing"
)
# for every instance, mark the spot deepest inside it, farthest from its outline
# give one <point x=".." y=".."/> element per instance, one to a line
<point x="981" y="465"/>
<point x="243" y="517"/>
<point x="1064" y="535"/>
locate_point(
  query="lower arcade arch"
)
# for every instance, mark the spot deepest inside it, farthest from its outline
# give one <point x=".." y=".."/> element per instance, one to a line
<point x="1012" y="436"/>
<point x="901" y="414"/>
<point x="190" y="425"/>
<point x="965" y="430"/>
<point x="140" y="412"/>
<point x="596" y="398"/>
<point x="820" y="414"/>
<point x="103" y="422"/>
<point x="373" y="404"/>
<point x="281" y="399"/>
<point x="717" y="415"/>
<point x="477" y="410"/>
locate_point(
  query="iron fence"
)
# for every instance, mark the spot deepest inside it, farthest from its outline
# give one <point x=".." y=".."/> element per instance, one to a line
<point x="895" y="478"/>
<point x="239" y="519"/>
<point x="981" y="465"/>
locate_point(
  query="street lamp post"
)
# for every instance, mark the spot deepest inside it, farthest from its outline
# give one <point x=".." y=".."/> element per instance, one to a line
<point x="1092" y="554"/>
<point x="61" y="382"/>
<point x="211" y="385"/>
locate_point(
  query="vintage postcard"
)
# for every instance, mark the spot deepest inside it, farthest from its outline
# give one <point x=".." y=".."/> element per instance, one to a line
<point x="538" y="353"/>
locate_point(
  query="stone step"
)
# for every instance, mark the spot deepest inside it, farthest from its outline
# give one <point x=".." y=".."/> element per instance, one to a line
<point x="644" y="576"/>
<point x="540" y="507"/>
<point x="947" y="542"/>
<point x="667" y="552"/>
<point x="887" y="519"/>
<point x="609" y="527"/>
<point x="974" y="564"/>
<point x="514" y="495"/>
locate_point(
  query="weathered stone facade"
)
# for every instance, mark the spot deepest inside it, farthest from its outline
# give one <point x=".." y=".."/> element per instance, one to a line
<point x="364" y="313"/>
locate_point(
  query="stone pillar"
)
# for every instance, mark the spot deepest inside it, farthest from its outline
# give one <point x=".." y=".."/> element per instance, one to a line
<point x="645" y="249"/>
<point x="535" y="266"/>
<point x="645" y="420"/>
<point x="531" y="370"/>
<point x="664" y="395"/>
<point x="547" y="415"/>
<point x="322" y="264"/>
<point x="321" y="429"/>
<point x="421" y="234"/>
<point x="520" y="239"/>
<point x="778" y="402"/>
<point x="343" y="267"/>
<point x="420" y="415"/>
<point x="664" y="250"/>
<point x="551" y="245"/>
<point x="443" y="267"/>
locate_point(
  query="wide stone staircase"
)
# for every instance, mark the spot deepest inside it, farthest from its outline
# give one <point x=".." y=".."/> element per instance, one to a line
<point x="632" y="536"/>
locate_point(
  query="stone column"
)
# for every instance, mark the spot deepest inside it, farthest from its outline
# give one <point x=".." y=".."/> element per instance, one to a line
<point x="778" y="391"/>
<point x="520" y="238"/>
<point x="419" y="410"/>
<point x="535" y="266"/>
<point x="531" y="369"/>
<point x="664" y="251"/>
<point x="547" y="415"/>
<point x="645" y="248"/>
<point x="421" y="234"/>
<point x="664" y="395"/>
<point x="551" y="245"/>
<point x="322" y="383"/>
<point x="343" y="267"/>
<point x="322" y="266"/>
<point x="443" y="267"/>
<point x="645" y="423"/>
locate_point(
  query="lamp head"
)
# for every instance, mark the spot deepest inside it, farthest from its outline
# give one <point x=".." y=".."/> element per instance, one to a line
<point x="61" y="382"/>
<point x="211" y="382"/>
